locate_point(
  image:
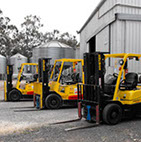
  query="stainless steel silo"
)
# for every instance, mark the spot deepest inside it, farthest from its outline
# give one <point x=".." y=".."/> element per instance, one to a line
<point x="77" y="53"/>
<point x="31" y="60"/>
<point x="2" y="67"/>
<point x="16" y="60"/>
<point x="32" y="69"/>
<point x="54" y="50"/>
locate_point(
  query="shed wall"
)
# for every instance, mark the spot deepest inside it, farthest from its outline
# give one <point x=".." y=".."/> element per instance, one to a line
<point x="117" y="37"/>
<point x="106" y="16"/>
<point x="102" y="40"/>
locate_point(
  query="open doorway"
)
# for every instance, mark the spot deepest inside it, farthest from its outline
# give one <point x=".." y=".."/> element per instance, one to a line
<point x="92" y="44"/>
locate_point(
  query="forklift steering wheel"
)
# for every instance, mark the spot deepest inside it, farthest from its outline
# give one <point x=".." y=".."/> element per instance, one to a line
<point x="23" y="76"/>
<point x="73" y="76"/>
<point x="115" y="75"/>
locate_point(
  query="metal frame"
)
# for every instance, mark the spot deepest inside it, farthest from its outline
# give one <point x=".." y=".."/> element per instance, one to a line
<point x="124" y="56"/>
<point x="21" y="71"/>
<point x="62" y="64"/>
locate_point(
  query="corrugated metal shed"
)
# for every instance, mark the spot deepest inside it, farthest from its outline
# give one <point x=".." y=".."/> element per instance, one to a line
<point x="54" y="50"/>
<point x="114" y="27"/>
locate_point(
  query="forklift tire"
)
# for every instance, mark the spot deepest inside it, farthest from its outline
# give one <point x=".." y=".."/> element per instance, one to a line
<point x="112" y="114"/>
<point x="53" y="101"/>
<point x="14" y="95"/>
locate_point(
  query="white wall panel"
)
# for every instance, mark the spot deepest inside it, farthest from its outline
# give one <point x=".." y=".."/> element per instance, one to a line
<point x="102" y="40"/>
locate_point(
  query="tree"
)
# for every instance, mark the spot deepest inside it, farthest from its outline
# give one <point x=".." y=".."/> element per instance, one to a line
<point x="13" y="41"/>
<point x="30" y="35"/>
<point x="68" y="39"/>
<point x="8" y="35"/>
<point x="48" y="36"/>
<point x="64" y="38"/>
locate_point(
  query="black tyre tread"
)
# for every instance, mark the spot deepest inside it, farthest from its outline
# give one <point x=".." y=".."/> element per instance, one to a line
<point x="47" y="104"/>
<point x="106" y="111"/>
<point x="16" y="91"/>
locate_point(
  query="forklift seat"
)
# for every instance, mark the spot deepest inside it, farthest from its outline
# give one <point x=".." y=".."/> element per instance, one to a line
<point x="109" y="86"/>
<point x="130" y="82"/>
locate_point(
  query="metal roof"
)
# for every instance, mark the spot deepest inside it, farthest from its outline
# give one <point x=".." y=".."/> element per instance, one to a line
<point x="2" y="56"/>
<point x="91" y="16"/>
<point x="54" y="43"/>
<point x="18" y="55"/>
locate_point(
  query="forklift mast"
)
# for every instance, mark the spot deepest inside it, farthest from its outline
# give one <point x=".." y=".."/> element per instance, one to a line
<point x="43" y="68"/>
<point x="93" y="89"/>
<point x="9" y="79"/>
<point x="94" y="68"/>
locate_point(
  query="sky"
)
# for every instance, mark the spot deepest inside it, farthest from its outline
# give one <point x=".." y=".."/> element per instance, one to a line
<point x="63" y="15"/>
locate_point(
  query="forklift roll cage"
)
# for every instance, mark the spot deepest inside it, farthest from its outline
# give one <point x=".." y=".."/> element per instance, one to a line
<point x="62" y="65"/>
<point x="21" y="71"/>
<point x="8" y="86"/>
<point x="123" y="56"/>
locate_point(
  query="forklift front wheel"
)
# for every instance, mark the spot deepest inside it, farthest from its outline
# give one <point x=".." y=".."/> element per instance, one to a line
<point x="112" y="114"/>
<point x="53" y="101"/>
<point x="14" y="95"/>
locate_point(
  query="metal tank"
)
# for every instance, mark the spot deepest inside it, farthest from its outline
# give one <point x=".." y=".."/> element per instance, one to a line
<point x="2" y="67"/>
<point x="16" y="60"/>
<point x="54" y="50"/>
<point x="31" y="60"/>
<point x="77" y="53"/>
<point x="32" y="69"/>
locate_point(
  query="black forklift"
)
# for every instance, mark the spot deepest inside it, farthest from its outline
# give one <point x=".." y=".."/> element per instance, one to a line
<point x="93" y="89"/>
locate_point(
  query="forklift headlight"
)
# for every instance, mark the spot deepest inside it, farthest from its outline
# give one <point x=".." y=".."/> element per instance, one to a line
<point x="121" y="62"/>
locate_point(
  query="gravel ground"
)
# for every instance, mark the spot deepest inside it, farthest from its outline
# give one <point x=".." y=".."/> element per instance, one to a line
<point x="17" y="116"/>
<point x="124" y="132"/>
<point x="20" y="122"/>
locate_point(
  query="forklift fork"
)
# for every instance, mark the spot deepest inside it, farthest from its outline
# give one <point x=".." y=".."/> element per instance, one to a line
<point x="73" y="120"/>
<point x="79" y="118"/>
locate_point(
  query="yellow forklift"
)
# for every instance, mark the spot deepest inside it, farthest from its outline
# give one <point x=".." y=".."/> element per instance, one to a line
<point x="61" y="87"/>
<point x="111" y="99"/>
<point x="24" y="84"/>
